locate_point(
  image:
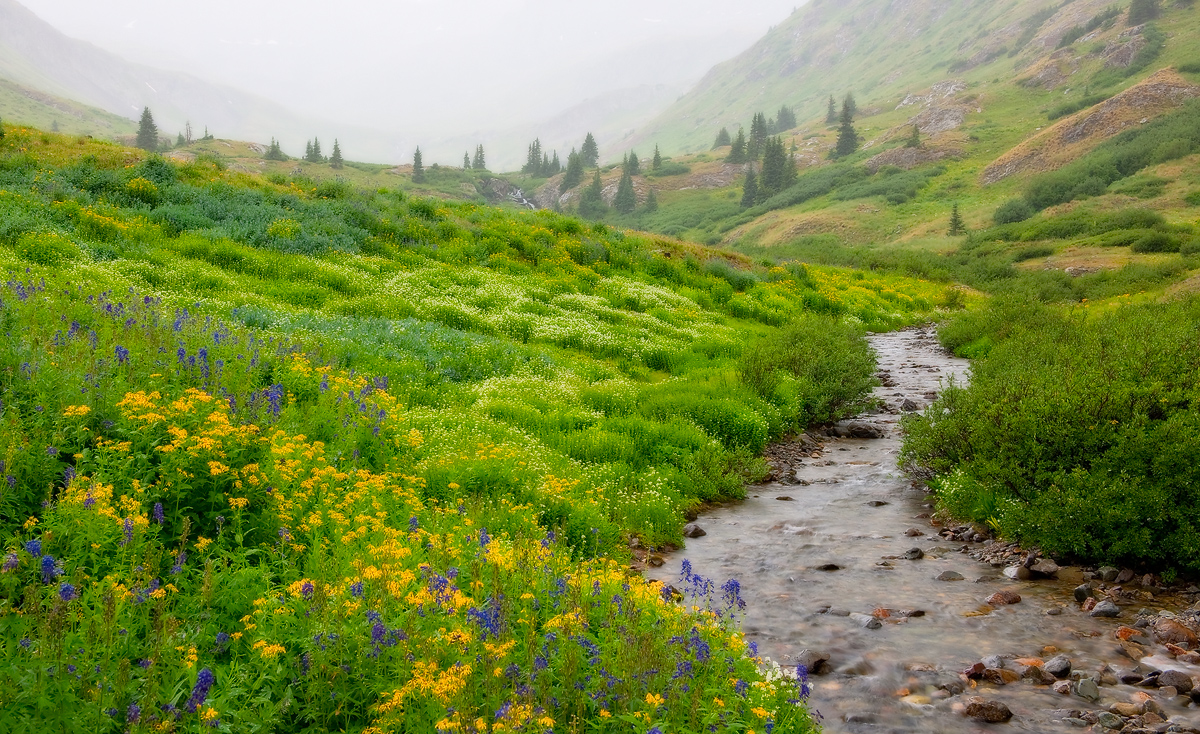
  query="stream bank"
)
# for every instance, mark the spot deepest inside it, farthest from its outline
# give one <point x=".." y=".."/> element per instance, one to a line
<point x="911" y="627"/>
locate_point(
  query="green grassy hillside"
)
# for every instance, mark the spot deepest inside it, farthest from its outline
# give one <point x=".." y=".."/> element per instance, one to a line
<point x="263" y="439"/>
<point x="44" y="111"/>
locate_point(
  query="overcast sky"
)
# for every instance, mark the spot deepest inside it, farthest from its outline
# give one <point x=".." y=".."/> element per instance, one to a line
<point x="440" y="65"/>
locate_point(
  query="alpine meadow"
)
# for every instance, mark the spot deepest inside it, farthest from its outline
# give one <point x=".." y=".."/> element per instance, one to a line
<point x="851" y="385"/>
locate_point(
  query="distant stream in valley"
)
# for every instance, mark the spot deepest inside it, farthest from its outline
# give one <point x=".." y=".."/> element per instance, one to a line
<point x="840" y="560"/>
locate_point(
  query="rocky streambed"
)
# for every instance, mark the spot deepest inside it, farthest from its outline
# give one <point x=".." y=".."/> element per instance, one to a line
<point x="908" y="626"/>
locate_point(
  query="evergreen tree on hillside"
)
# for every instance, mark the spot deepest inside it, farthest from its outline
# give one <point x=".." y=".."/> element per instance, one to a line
<point x="849" y="104"/>
<point x="147" y="134"/>
<point x="785" y="119"/>
<point x="179" y="141"/>
<point x="1143" y="11"/>
<point x="544" y="168"/>
<point x="480" y="162"/>
<point x="590" y="152"/>
<point x="651" y="201"/>
<point x="914" y="140"/>
<point x="723" y="139"/>
<point x="274" y="152"/>
<point x="335" y="158"/>
<point x="657" y="161"/>
<point x="466" y="161"/>
<point x="632" y="166"/>
<point x="626" y="199"/>
<point x="759" y="130"/>
<point x="591" y="200"/>
<point x="187" y="132"/>
<point x="847" y="141"/>
<point x="737" y="150"/>
<point x="312" y="152"/>
<point x="308" y="150"/>
<point x="555" y="165"/>
<point x="574" y="175"/>
<point x="778" y="168"/>
<point x="533" y="159"/>
<point x="957" y="226"/>
<point x="418" y="173"/>
<point x="831" y="115"/>
<point x="54" y="126"/>
<point x="750" y="188"/>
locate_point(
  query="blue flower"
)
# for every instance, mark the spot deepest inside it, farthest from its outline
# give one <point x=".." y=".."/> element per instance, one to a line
<point x="133" y="714"/>
<point x="484" y="538"/>
<point x="33" y="547"/>
<point x="179" y="561"/>
<point x="128" y="531"/>
<point x="413" y="524"/>
<point x="122" y="354"/>
<point x="11" y="562"/>
<point x="356" y="589"/>
<point x="67" y="592"/>
<point x="50" y="569"/>
<point x="157" y="513"/>
<point x="204" y="683"/>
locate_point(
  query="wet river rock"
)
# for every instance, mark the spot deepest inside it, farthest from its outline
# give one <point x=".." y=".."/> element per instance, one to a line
<point x="993" y="712"/>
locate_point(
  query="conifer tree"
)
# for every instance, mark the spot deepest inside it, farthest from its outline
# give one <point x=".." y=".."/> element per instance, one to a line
<point x="147" y="135"/>
<point x="723" y="139"/>
<point x="187" y="132"/>
<point x="651" y="201"/>
<point x="418" y="171"/>
<point x="632" y="165"/>
<point x="274" y="152"/>
<point x="831" y="115"/>
<point x="574" y="175"/>
<point x="1142" y="11"/>
<point x="750" y="188"/>
<point x="533" y="159"/>
<point x="335" y="158"/>
<point x="849" y="104"/>
<point x="914" y="139"/>
<point x="759" y="130"/>
<point x="656" y="161"/>
<point x="785" y="119"/>
<point x="590" y="152"/>
<point x="466" y="161"/>
<point x="957" y="226"/>
<point x="591" y="200"/>
<point x="778" y="169"/>
<point x="312" y="152"/>
<point x="480" y="162"/>
<point x="54" y="126"/>
<point x="626" y="198"/>
<point x="847" y="141"/>
<point x="179" y="141"/>
<point x="555" y="165"/>
<point x="737" y="150"/>
<point x="308" y="150"/>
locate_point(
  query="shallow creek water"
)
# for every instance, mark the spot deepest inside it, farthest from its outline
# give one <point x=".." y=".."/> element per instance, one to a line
<point x="775" y="548"/>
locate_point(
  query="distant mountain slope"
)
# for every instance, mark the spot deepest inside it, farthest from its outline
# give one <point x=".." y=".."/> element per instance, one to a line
<point x="37" y="56"/>
<point x="879" y="49"/>
<point x="21" y="104"/>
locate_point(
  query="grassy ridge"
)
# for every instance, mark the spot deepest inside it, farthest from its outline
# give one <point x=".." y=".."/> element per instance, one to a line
<point x="264" y="441"/>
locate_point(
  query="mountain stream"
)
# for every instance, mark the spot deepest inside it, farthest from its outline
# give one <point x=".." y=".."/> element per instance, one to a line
<point x="839" y="558"/>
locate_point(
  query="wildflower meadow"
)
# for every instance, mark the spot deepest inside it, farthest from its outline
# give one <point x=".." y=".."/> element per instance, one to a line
<point x="281" y="457"/>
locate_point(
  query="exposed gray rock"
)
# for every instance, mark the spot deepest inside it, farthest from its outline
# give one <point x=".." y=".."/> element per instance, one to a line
<point x="1087" y="689"/>
<point x="1082" y="592"/>
<point x="866" y="621"/>
<point x="1044" y="568"/>
<point x="914" y="554"/>
<point x="1110" y="720"/>
<point x="1107" y="574"/>
<point x="1106" y="608"/>
<point x="1058" y="666"/>
<point x="993" y="712"/>
<point x="1181" y="682"/>
<point x="692" y="530"/>
<point x="814" y="661"/>
<point x="949" y="576"/>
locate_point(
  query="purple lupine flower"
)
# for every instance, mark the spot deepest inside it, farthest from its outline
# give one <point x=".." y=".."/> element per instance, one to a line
<point x="128" y="531"/>
<point x="484" y="538"/>
<point x="33" y="547"/>
<point x="89" y="501"/>
<point x="307" y="589"/>
<point x="274" y="395"/>
<point x="204" y="682"/>
<point x="133" y="714"/>
<point x="52" y="451"/>
<point x="356" y="589"/>
<point x="68" y="476"/>
<point x="11" y="562"/>
<point x="122" y="354"/>
<point x="50" y="569"/>
<point x="378" y="631"/>
<point x="732" y="594"/>
<point x="179" y="561"/>
<point x="413" y="524"/>
<point x="157" y="513"/>
<point x="67" y="592"/>
<point x="74" y="329"/>
<point x="181" y="354"/>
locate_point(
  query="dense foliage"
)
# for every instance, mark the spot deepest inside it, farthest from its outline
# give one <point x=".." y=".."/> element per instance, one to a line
<point x="281" y="457"/>
<point x="1077" y="433"/>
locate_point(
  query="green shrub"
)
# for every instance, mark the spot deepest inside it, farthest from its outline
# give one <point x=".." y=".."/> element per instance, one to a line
<point x="1193" y="198"/>
<point x="1031" y="253"/>
<point x="1013" y="211"/>
<point x="1075" y="434"/>
<point x="46" y="248"/>
<point x="1156" y="242"/>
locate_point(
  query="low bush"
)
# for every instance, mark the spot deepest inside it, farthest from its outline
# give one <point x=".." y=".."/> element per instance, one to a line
<point x="1013" y="211"/>
<point x="1075" y="433"/>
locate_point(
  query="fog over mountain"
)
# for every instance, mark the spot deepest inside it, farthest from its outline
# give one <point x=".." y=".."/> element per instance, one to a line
<point x="426" y="71"/>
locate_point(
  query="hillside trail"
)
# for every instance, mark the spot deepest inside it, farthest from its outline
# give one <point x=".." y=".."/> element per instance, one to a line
<point x="822" y="556"/>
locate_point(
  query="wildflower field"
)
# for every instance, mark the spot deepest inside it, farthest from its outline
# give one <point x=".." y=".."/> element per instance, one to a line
<point x="277" y="457"/>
